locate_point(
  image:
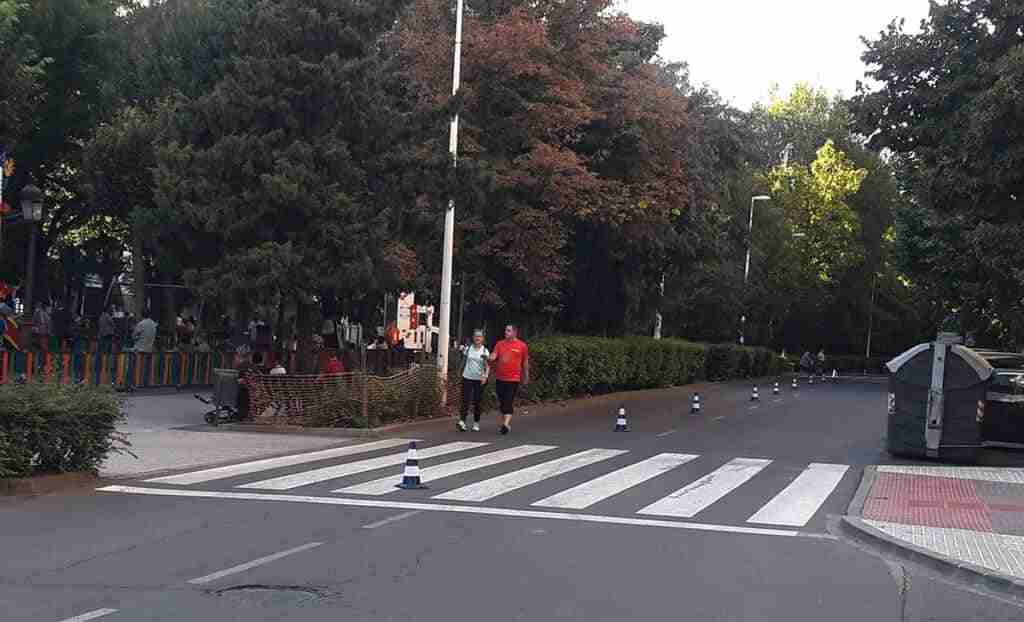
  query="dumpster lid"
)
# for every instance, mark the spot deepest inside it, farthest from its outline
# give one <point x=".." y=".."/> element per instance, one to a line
<point x="969" y="356"/>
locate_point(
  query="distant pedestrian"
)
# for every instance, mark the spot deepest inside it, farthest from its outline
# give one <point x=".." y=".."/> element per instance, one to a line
<point x="61" y="325"/>
<point x="511" y="358"/>
<point x="474" y="377"/>
<point x="821" y="361"/>
<point x="333" y="366"/>
<point x="106" y="331"/>
<point x="807" y="362"/>
<point x="144" y="334"/>
<point x="41" y="327"/>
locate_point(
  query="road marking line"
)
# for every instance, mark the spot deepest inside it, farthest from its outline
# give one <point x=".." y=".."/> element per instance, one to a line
<point x="663" y="434"/>
<point x="490" y="488"/>
<point x="589" y="493"/>
<point x="392" y="519"/>
<point x="305" y="478"/>
<point x="386" y="485"/>
<point x="696" y="496"/>
<point x="206" y="475"/>
<point x="463" y="509"/>
<point x="91" y="615"/>
<point x="253" y="564"/>
<point x="719" y="418"/>
<point x="798" y="502"/>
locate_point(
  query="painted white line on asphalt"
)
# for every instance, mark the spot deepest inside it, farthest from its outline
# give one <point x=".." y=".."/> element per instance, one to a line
<point x="490" y="488"/>
<point x="798" y="502"/>
<point x="663" y="434"/>
<point x="91" y="615"/>
<point x="385" y="485"/>
<point x="253" y="564"/>
<point x="305" y="478"/>
<point x="694" y="497"/>
<point x="392" y="519"/>
<point x="719" y="418"/>
<point x="206" y="475"/>
<point x="589" y="493"/>
<point x="463" y="509"/>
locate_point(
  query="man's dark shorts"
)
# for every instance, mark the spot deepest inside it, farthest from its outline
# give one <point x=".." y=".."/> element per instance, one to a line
<point x="506" y="395"/>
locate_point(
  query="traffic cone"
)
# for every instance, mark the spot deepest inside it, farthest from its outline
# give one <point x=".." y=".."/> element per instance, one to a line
<point x="695" y="404"/>
<point x="411" y="474"/>
<point x="811" y="379"/>
<point x="795" y="385"/>
<point x="754" y="396"/>
<point x="835" y="374"/>
<point x="620" y="421"/>
<point x="775" y="388"/>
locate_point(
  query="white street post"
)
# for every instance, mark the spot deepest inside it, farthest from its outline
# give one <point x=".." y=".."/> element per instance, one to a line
<point x="444" y="338"/>
<point x="746" y="265"/>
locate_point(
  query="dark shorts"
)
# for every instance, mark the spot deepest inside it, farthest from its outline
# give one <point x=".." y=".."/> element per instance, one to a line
<point x="506" y="395"/>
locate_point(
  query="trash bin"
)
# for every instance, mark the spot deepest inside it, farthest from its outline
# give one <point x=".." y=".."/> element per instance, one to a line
<point x="937" y="401"/>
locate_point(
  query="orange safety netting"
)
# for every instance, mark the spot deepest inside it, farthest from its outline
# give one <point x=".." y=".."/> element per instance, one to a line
<point x="350" y="400"/>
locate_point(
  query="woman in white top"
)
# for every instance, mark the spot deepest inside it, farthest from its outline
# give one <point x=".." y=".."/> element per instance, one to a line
<point x="474" y="377"/>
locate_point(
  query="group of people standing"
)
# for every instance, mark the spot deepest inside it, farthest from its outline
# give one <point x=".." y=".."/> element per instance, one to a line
<point x="510" y="362"/>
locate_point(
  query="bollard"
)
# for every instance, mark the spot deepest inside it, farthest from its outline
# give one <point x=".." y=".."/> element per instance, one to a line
<point x="411" y="473"/>
<point x="620" y="421"/>
<point x="754" y="396"/>
<point x="775" y="388"/>
<point x="695" y="404"/>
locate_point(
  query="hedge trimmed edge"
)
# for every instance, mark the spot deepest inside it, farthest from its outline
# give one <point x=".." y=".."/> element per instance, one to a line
<point x="567" y="367"/>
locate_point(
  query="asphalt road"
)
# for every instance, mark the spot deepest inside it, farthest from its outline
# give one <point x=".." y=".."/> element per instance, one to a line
<point x="722" y="516"/>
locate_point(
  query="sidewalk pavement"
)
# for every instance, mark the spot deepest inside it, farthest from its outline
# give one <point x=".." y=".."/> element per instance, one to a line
<point x="964" y="518"/>
<point x="157" y="429"/>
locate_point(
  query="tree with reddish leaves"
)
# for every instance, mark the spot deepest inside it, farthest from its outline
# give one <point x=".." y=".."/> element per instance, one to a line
<point x="576" y="149"/>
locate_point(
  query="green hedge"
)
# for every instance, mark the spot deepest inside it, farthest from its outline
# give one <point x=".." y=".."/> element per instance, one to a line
<point x="54" y="428"/>
<point x="565" y="367"/>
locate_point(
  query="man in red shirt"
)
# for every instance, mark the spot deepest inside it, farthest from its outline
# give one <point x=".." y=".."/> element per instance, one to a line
<point x="511" y="362"/>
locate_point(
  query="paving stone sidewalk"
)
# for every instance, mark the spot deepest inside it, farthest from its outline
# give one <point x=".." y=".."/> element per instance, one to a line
<point x="970" y="517"/>
<point x="158" y="425"/>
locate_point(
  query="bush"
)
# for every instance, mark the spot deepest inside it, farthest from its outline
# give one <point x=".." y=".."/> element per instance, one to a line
<point x="54" y="428"/>
<point x="565" y="367"/>
<point x="857" y="364"/>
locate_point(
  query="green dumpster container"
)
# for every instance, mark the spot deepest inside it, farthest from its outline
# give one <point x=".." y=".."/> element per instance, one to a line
<point x="937" y="401"/>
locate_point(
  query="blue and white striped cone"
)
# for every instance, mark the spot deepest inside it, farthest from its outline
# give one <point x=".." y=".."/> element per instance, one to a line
<point x="754" y="396"/>
<point x="811" y="379"/>
<point x="775" y="388"/>
<point x="795" y="385"/>
<point x="695" y="404"/>
<point x="411" y="474"/>
<point x="620" y="421"/>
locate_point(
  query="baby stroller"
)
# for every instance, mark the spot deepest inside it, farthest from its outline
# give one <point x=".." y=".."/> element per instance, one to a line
<point x="224" y="398"/>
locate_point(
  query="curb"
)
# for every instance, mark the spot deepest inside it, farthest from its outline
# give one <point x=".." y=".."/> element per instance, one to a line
<point x="853" y="527"/>
<point x="45" y="484"/>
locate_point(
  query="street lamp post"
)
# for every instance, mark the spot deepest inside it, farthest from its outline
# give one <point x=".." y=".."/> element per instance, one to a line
<point x="444" y="338"/>
<point x="32" y="211"/>
<point x="746" y="265"/>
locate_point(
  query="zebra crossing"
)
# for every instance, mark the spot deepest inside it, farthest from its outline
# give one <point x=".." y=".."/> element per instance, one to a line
<point x="544" y="477"/>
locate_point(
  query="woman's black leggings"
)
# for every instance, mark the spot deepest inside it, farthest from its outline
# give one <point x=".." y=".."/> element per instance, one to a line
<point x="471" y="393"/>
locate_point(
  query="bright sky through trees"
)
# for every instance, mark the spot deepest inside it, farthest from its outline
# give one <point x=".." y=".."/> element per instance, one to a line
<point x="741" y="47"/>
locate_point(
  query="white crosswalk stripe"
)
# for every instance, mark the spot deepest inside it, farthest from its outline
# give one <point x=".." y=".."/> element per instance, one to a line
<point x="799" y="502"/>
<point x="256" y="466"/>
<point x="385" y="485"/>
<point x="692" y="498"/>
<point x="305" y="478"/>
<point x="792" y="507"/>
<point x="590" y="492"/>
<point x="490" y="488"/>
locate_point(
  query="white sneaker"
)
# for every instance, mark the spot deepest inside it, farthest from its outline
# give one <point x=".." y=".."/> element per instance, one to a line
<point x="461" y="425"/>
<point x="476" y="427"/>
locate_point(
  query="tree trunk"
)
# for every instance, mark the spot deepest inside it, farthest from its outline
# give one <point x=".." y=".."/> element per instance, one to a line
<point x="279" y="330"/>
<point x="304" y="326"/>
<point x="138" y="272"/>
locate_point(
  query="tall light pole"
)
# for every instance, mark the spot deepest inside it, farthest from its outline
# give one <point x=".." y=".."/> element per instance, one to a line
<point x="443" y="344"/>
<point x="32" y="211"/>
<point x="746" y="265"/>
